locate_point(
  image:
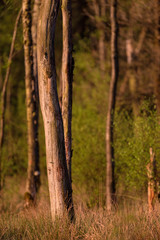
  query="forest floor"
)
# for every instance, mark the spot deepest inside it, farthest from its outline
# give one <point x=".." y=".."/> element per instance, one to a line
<point x="131" y="222"/>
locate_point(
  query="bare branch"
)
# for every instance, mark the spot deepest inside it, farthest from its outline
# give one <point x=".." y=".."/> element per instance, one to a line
<point x="4" y="89"/>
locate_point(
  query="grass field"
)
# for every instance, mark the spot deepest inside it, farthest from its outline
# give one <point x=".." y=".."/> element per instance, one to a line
<point x="128" y="221"/>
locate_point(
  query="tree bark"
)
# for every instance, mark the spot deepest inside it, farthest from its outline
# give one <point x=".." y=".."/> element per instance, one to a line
<point x="4" y="90"/>
<point x="67" y="78"/>
<point x="58" y="179"/>
<point x="35" y="13"/>
<point x="110" y="181"/>
<point x="31" y="103"/>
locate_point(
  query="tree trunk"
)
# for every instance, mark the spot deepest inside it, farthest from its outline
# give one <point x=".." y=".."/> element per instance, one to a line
<point x="35" y="72"/>
<point x="58" y="179"/>
<point x="102" y="48"/>
<point x="110" y="182"/>
<point x="157" y="58"/>
<point x="30" y="102"/>
<point x="4" y="90"/>
<point x="131" y="74"/>
<point x="67" y="78"/>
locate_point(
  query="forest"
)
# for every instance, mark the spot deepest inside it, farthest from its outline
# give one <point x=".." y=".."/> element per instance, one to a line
<point x="80" y="119"/>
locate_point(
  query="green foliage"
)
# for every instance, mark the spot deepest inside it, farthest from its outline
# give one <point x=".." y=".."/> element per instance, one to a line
<point x="132" y="140"/>
<point x="88" y="124"/>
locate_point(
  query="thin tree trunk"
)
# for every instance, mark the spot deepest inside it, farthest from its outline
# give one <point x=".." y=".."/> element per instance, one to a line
<point x="132" y="55"/>
<point x="36" y="7"/>
<point x="1" y="78"/>
<point x="157" y="58"/>
<point x="102" y="48"/>
<point x="58" y="179"/>
<point x="131" y="75"/>
<point x="30" y="102"/>
<point x="4" y="90"/>
<point x="67" y="78"/>
<point x="110" y="181"/>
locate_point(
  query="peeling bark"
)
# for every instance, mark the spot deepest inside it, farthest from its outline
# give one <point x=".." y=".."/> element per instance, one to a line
<point x="58" y="179"/>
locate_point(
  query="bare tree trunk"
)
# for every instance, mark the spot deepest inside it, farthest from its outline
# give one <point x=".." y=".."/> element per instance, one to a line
<point x="1" y="78"/>
<point x="110" y="182"/>
<point x="4" y="90"/>
<point x="157" y="58"/>
<point x="97" y="14"/>
<point x="67" y="78"/>
<point x="102" y="48"/>
<point x="30" y="102"/>
<point x="59" y="184"/>
<point x="36" y="7"/>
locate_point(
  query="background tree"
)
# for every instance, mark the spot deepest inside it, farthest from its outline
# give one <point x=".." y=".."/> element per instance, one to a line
<point x="4" y="92"/>
<point x="110" y="180"/>
<point x="35" y="15"/>
<point x="133" y="135"/>
<point x="31" y="103"/>
<point x="96" y="11"/>
<point x="157" y="53"/>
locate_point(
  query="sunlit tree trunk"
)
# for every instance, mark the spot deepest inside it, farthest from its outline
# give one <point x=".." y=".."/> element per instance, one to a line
<point x="30" y="102"/>
<point x="110" y="181"/>
<point x="58" y="179"/>
<point x="67" y="78"/>
<point x="4" y="91"/>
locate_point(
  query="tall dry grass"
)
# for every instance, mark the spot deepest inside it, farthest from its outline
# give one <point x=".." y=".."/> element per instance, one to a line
<point x="128" y="221"/>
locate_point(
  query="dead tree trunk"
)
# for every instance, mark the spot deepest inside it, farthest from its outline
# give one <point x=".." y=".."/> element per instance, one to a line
<point x="110" y="182"/>
<point x="30" y="102"/>
<point x="36" y="7"/>
<point x="4" y="90"/>
<point x="152" y="183"/>
<point x="59" y="184"/>
<point x="67" y="78"/>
